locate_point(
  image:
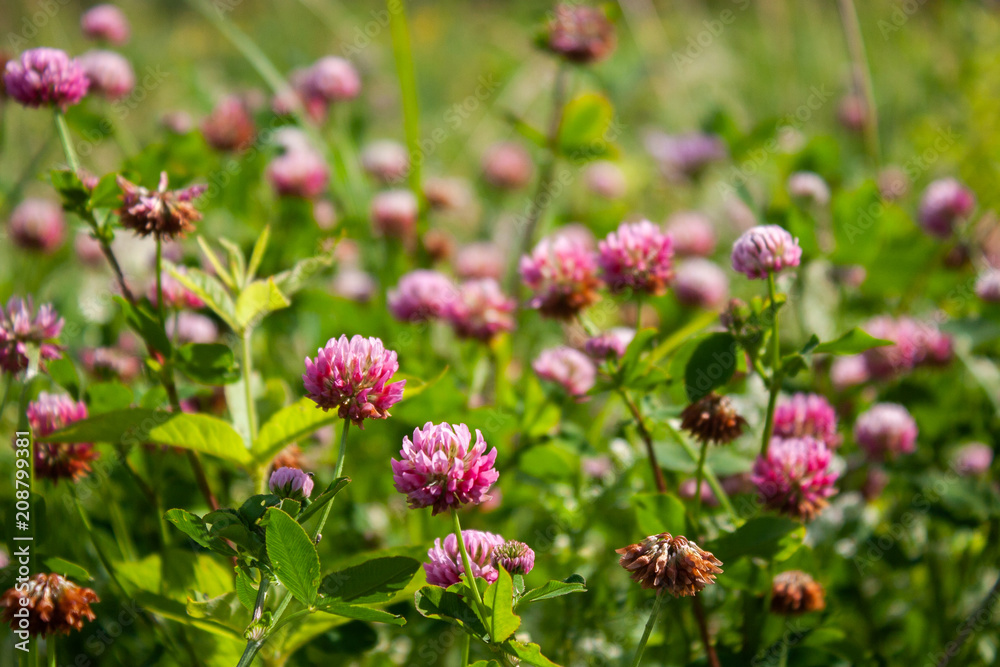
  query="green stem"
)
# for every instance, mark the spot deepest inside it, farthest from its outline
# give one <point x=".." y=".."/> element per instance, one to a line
<point x="403" y="55"/>
<point x="337" y="471"/>
<point x="67" y="144"/>
<point x="466" y="646"/>
<point x="247" y="387"/>
<point x="647" y="439"/>
<point x="546" y="176"/>
<point x="105" y="561"/>
<point x="649" y="629"/>
<point x="699" y="477"/>
<point x="6" y="393"/>
<point x="467" y="563"/>
<point x="713" y="481"/>
<point x="862" y="74"/>
<point x="50" y="650"/>
<point x="159" y="281"/>
<point x="775" y="367"/>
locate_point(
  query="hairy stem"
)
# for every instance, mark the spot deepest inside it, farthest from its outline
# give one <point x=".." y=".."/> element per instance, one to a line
<point x="647" y="438"/>
<point x="467" y="564"/>
<point x="775" y="382"/>
<point x="699" y="477"/>
<point x="337" y="471"/>
<point x="403" y="55"/>
<point x="547" y="174"/>
<point x="713" y="481"/>
<point x="248" y="388"/>
<point x="862" y="75"/>
<point x="706" y="636"/>
<point x="67" y="144"/>
<point x="648" y="630"/>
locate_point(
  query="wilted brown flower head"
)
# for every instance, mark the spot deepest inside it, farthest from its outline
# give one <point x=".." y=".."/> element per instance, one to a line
<point x="162" y="212"/>
<point x="581" y="34"/>
<point x="713" y="419"/>
<point x="289" y="457"/>
<point x="674" y="564"/>
<point x="55" y="606"/>
<point x="795" y="592"/>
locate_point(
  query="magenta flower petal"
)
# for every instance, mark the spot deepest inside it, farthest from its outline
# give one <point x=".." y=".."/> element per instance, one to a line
<point x="442" y="468"/>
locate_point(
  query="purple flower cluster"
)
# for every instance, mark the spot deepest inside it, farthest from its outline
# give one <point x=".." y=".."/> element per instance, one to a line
<point x="45" y="77"/>
<point x="442" y="468"/>
<point x="105" y="23"/>
<point x="300" y="171"/>
<point x="161" y="212"/>
<point x="515" y="557"/>
<point x="446" y="568"/>
<point x="609" y="345"/>
<point x="701" y="283"/>
<point x="421" y="295"/>
<point x="476" y="308"/>
<point x="944" y="204"/>
<point x="795" y="477"/>
<point x="21" y="327"/>
<point x="562" y="273"/>
<point x="38" y="224"/>
<point x="638" y="256"/>
<point x="291" y="483"/>
<point x="353" y="376"/>
<point x="55" y="462"/>
<point x="481" y="310"/>
<point x="765" y="249"/>
<point x="916" y="344"/>
<point x="807" y="415"/>
<point x="885" y="431"/>
<point x="110" y="74"/>
<point x="569" y="368"/>
<point x="684" y="156"/>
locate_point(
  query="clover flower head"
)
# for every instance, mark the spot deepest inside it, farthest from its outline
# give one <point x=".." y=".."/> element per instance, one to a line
<point x="421" y="295"/>
<point x="45" y="77"/>
<point x="795" y="478"/>
<point x="443" y="468"/>
<point x="795" y="592"/>
<point x="807" y="414"/>
<point x="692" y="233"/>
<point x="58" y="461"/>
<point x="609" y="345"/>
<point x="672" y="564"/>
<point x="354" y="376"/>
<point x="507" y="166"/>
<point x="562" y="273"/>
<point x="21" y="327"/>
<point x="885" y="431"/>
<point x="105" y="23"/>
<point x="765" y="249"/>
<point x="701" y="283"/>
<point x="945" y="203"/>
<point x="291" y="483"/>
<point x="481" y="310"/>
<point x="38" y="224"/>
<point x="569" y="368"/>
<point x="445" y="567"/>
<point x="515" y="557"/>
<point x="229" y="126"/>
<point x="54" y="605"/>
<point x="637" y="256"/>
<point x="110" y="74"/>
<point x="580" y="34"/>
<point x="161" y="212"/>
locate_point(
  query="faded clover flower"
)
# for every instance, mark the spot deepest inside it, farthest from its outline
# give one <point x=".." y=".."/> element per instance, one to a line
<point x="673" y="564"/>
